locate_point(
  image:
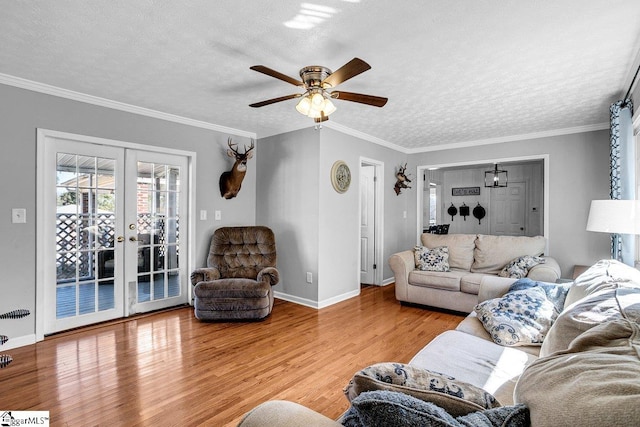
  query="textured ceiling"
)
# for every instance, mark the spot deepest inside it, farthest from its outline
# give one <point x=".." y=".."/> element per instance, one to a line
<point x="454" y="71"/>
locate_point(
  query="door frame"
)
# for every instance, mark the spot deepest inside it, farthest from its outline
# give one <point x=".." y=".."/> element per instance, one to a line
<point x="45" y="135"/>
<point x="420" y="170"/>
<point x="378" y="214"/>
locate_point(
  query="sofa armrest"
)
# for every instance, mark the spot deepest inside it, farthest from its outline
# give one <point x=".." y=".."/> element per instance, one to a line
<point x="269" y="275"/>
<point x="204" y="275"/>
<point x="402" y="263"/>
<point x="282" y="413"/>
<point x="549" y="271"/>
<point x="493" y="287"/>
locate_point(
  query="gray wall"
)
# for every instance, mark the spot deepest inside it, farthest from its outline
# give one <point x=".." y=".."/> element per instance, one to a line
<point x="287" y="201"/>
<point x="317" y="229"/>
<point x="23" y="111"/>
<point x="578" y="173"/>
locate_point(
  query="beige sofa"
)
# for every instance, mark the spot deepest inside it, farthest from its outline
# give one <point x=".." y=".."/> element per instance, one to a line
<point x="585" y="372"/>
<point x="471" y="258"/>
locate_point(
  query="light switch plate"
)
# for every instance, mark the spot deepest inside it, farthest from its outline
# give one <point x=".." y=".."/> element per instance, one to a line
<point x="218" y="215"/>
<point x="18" y="215"/>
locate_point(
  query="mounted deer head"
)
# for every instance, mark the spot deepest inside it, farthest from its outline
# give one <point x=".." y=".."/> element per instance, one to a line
<point x="231" y="181"/>
<point x="401" y="180"/>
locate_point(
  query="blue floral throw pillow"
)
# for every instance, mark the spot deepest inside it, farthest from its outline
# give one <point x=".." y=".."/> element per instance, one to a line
<point x="519" y="267"/>
<point x="436" y="259"/>
<point x="518" y="318"/>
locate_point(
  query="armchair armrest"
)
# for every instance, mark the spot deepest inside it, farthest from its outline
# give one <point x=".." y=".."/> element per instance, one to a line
<point x="204" y="275"/>
<point x="270" y="275"/>
<point x="547" y="272"/>
<point x="402" y="263"/>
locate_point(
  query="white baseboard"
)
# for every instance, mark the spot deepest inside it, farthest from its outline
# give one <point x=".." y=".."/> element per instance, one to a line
<point x="294" y="299"/>
<point x="388" y="281"/>
<point x="315" y="304"/>
<point x="18" y="342"/>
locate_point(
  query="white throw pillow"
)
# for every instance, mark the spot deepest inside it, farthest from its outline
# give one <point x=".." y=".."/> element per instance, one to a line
<point x="518" y="318"/>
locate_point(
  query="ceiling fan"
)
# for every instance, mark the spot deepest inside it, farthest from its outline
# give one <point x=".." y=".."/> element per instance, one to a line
<point x="317" y="81"/>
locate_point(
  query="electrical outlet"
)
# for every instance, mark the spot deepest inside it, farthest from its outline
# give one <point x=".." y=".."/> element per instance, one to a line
<point x="18" y="215"/>
<point x="309" y="277"/>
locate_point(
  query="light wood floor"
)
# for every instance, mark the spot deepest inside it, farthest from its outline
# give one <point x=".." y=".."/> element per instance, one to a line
<point x="169" y="369"/>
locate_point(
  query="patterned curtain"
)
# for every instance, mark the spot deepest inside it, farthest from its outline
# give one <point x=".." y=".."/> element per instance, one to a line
<point x="622" y="172"/>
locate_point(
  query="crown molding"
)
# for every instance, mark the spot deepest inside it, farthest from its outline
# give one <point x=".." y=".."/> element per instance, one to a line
<point x="365" y="136"/>
<point x="511" y="138"/>
<point x="108" y="103"/>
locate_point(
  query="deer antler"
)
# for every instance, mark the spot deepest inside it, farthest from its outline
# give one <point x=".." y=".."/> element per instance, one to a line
<point x="250" y="148"/>
<point x="231" y="145"/>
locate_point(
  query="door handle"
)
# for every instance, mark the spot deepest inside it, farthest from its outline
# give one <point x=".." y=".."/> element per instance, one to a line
<point x="133" y="239"/>
<point x="120" y="239"/>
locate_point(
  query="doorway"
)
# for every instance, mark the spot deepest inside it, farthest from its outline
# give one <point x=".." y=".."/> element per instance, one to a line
<point x="111" y="222"/>
<point x="528" y="176"/>
<point x="371" y="203"/>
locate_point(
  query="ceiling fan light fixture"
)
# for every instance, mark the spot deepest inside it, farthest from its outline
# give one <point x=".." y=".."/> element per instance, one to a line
<point x="315" y="105"/>
<point x="316" y="102"/>
<point x="304" y="105"/>
<point x="328" y="107"/>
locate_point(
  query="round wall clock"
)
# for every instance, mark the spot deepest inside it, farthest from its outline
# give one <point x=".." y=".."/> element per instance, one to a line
<point x="340" y="176"/>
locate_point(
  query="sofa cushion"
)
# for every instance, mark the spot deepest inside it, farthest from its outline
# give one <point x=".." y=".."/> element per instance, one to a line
<point x="435" y="259"/>
<point x="470" y="283"/>
<point x="391" y="409"/>
<point x="448" y="280"/>
<point x="475" y="361"/>
<point x="457" y="397"/>
<point x="596" y="380"/>
<point x="605" y="274"/>
<point x="492" y="253"/>
<point x="608" y="304"/>
<point x="472" y="326"/>
<point x="519" y="267"/>
<point x="460" y="247"/>
<point x="518" y="318"/>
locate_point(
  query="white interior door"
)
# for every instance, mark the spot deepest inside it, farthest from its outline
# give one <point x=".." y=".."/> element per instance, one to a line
<point x="509" y="210"/>
<point x="367" y="224"/>
<point x="110" y="216"/>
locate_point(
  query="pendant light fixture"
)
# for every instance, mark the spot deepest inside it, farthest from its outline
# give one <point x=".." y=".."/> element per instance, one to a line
<point x="495" y="178"/>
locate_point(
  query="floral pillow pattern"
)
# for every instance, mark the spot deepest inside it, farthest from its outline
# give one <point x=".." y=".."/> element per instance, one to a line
<point x="518" y="318"/>
<point x="458" y="397"/>
<point x="436" y="259"/>
<point x="519" y="267"/>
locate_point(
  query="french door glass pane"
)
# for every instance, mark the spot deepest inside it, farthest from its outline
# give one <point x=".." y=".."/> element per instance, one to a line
<point x="85" y="222"/>
<point x="158" y="246"/>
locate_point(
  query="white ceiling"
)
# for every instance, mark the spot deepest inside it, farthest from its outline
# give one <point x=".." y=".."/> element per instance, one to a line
<point x="455" y="72"/>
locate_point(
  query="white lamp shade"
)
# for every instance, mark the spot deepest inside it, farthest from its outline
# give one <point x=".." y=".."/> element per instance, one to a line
<point x="614" y="216"/>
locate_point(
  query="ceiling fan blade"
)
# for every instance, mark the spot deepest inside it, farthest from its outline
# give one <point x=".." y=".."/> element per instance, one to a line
<point x="350" y="69"/>
<point x="273" y="73"/>
<point x="376" y="101"/>
<point x="274" y="100"/>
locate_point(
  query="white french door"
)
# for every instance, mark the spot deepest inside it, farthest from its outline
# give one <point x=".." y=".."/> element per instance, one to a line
<point x="111" y="232"/>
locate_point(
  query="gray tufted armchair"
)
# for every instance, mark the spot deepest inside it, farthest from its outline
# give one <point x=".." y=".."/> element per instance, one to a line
<point x="241" y="269"/>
